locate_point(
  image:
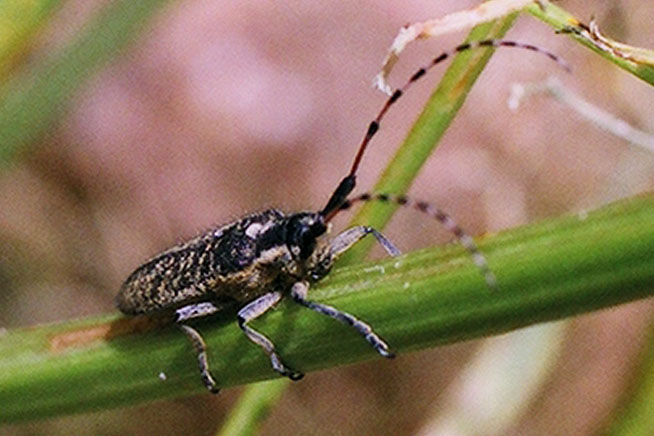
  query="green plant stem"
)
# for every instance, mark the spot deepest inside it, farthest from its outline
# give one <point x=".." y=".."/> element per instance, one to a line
<point x="558" y="18"/>
<point x="253" y="407"/>
<point x="546" y="271"/>
<point x="635" y="417"/>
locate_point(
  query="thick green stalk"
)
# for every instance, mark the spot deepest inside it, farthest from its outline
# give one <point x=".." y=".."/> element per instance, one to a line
<point x="546" y="271"/>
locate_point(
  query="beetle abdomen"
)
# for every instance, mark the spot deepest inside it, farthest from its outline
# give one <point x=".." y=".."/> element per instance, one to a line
<point x="230" y="262"/>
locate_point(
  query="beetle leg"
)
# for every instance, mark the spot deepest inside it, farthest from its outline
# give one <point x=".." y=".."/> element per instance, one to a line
<point x="252" y="311"/>
<point x="299" y="295"/>
<point x="201" y="350"/>
<point x="343" y="241"/>
<point x="199" y="310"/>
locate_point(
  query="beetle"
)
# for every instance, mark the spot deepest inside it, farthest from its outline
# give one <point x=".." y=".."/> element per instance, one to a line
<point x="263" y="257"/>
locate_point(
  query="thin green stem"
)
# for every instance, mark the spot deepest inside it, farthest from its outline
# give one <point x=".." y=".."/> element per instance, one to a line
<point x="559" y="18"/>
<point x="635" y="417"/>
<point x="427" y="131"/>
<point x="253" y="407"/>
<point x="546" y="271"/>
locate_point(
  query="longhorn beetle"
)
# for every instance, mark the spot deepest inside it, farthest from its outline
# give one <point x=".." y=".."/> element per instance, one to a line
<point x="257" y="260"/>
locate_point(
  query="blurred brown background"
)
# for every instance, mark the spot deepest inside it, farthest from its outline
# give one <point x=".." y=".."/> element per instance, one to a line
<point x="229" y="107"/>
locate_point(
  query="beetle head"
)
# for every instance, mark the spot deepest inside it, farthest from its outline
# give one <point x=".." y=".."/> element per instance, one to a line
<point x="302" y="231"/>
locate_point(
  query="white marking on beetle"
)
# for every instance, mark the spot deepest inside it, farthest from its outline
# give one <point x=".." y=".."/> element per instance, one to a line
<point x="255" y="230"/>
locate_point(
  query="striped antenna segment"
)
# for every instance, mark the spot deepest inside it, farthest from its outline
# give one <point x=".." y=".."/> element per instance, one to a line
<point x="444" y="219"/>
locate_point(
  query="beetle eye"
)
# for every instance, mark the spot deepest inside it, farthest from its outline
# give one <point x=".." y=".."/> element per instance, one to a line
<point x="303" y="234"/>
<point x="306" y="241"/>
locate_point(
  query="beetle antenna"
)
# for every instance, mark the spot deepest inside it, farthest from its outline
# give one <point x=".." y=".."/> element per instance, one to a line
<point x="340" y="194"/>
<point x="439" y="215"/>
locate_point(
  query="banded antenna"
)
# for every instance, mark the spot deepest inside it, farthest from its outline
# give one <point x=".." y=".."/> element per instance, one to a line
<point x="347" y="185"/>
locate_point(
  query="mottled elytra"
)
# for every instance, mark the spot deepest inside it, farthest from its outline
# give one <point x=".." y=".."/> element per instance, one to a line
<point x="256" y="261"/>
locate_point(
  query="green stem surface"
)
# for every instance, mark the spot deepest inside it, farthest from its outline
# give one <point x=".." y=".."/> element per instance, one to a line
<point x="546" y="271"/>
